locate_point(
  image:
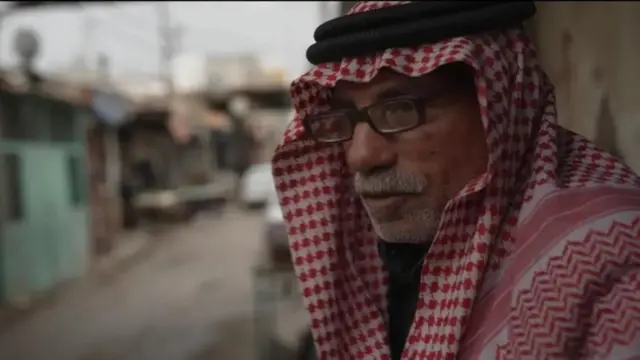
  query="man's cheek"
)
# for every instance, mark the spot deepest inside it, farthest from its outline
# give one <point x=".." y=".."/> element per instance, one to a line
<point x="419" y="145"/>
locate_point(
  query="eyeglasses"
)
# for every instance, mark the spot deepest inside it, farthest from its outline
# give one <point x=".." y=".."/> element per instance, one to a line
<point x="386" y="117"/>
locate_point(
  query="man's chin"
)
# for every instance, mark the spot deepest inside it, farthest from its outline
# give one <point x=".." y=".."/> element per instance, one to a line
<point x="404" y="220"/>
<point x="403" y="232"/>
<point x="389" y="209"/>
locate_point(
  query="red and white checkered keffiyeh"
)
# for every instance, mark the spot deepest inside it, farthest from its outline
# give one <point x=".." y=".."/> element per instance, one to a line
<point x="542" y="265"/>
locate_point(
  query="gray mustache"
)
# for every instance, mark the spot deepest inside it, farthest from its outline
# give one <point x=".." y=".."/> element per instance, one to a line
<point x="388" y="182"/>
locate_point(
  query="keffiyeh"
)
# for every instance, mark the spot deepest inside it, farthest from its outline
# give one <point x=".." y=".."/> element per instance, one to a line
<point x="537" y="259"/>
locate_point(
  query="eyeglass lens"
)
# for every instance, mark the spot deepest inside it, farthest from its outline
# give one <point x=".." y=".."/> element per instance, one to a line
<point x="387" y="117"/>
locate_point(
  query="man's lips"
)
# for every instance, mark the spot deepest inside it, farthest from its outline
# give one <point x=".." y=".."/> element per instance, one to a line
<point x="385" y="195"/>
<point x="386" y="200"/>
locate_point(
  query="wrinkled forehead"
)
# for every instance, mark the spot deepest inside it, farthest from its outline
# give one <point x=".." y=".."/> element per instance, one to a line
<point x="388" y="84"/>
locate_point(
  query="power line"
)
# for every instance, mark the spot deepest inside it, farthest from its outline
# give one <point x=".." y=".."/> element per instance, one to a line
<point x="140" y="32"/>
<point x="130" y="31"/>
<point x="90" y="54"/>
<point x="197" y="34"/>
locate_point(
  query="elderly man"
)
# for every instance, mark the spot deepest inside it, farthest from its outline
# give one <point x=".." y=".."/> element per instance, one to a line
<point x="435" y="208"/>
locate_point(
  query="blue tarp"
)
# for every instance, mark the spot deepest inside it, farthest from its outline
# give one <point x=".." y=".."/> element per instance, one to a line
<point x="110" y="108"/>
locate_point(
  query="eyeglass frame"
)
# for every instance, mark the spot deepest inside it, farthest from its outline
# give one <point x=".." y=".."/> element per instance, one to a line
<point x="356" y="116"/>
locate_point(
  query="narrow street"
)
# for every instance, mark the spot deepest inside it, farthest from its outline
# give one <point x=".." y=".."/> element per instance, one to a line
<point x="189" y="298"/>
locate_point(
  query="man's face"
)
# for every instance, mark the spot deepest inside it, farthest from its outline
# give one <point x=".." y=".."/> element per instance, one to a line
<point x="406" y="179"/>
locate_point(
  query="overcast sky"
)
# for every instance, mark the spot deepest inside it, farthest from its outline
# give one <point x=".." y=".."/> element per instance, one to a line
<point x="128" y="32"/>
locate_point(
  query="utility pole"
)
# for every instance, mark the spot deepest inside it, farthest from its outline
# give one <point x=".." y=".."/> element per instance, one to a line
<point x="180" y="121"/>
<point x="89" y="25"/>
<point x="113" y="216"/>
<point x="169" y="42"/>
<point x="96" y="74"/>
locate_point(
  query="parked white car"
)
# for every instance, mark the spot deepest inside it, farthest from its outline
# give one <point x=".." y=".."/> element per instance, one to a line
<point x="275" y="232"/>
<point x="256" y="186"/>
<point x="277" y="244"/>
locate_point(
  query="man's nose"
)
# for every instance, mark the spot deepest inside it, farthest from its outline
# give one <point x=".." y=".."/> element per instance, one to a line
<point x="368" y="150"/>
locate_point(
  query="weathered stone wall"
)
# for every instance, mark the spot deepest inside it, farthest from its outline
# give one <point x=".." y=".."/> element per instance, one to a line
<point x="591" y="51"/>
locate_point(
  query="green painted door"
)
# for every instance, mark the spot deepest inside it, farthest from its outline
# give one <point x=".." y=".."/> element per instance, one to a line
<point x="44" y="239"/>
<point x="47" y="243"/>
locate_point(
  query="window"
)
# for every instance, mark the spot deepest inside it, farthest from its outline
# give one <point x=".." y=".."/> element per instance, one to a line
<point x="75" y="176"/>
<point x="11" y="125"/>
<point x="12" y="191"/>
<point x="24" y="117"/>
<point x="62" y="122"/>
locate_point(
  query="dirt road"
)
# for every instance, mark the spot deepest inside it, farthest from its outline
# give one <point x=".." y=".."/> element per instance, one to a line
<point x="188" y="299"/>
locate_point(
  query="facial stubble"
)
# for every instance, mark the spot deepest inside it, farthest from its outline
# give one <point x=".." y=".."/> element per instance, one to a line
<point x="409" y="224"/>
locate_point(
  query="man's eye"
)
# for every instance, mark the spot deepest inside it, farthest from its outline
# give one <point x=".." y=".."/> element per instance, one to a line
<point x="397" y="107"/>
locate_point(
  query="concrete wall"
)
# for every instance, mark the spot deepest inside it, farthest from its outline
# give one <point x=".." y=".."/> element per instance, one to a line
<point x="591" y="51"/>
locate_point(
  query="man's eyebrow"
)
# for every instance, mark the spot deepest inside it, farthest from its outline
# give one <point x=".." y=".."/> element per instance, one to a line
<point x="393" y="92"/>
<point x="337" y="102"/>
